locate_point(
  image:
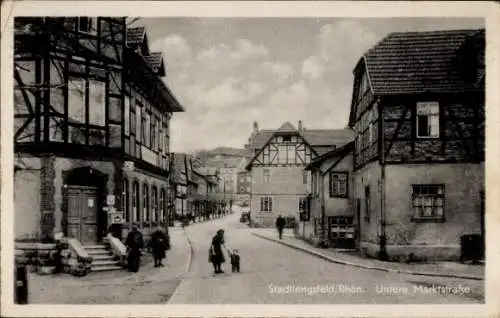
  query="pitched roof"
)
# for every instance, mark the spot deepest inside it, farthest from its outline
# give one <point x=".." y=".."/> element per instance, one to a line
<point x="338" y="152"/>
<point x="327" y="137"/>
<point x="286" y="127"/>
<point x="179" y="168"/>
<point x="321" y="140"/>
<point x="315" y="137"/>
<point x="415" y="62"/>
<point x="135" y="35"/>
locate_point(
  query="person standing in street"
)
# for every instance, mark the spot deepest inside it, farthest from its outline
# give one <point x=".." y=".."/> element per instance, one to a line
<point x="216" y="254"/>
<point x="135" y="243"/>
<point x="160" y="243"/>
<point x="280" y="225"/>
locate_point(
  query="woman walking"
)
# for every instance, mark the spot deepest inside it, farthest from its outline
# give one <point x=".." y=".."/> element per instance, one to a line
<point x="216" y="254"/>
<point x="159" y="244"/>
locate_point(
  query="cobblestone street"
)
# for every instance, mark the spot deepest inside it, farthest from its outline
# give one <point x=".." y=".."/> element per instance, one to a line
<point x="268" y="268"/>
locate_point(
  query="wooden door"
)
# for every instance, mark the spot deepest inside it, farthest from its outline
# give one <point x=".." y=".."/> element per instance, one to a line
<point x="82" y="214"/>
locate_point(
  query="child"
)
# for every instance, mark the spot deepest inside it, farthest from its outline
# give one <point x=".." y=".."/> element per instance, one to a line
<point x="235" y="261"/>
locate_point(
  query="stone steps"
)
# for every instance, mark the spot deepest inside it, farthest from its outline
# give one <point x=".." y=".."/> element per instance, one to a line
<point x="103" y="258"/>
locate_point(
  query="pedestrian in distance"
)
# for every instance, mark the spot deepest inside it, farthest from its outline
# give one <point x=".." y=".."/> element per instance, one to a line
<point x="216" y="256"/>
<point x="160" y="243"/>
<point x="134" y="243"/>
<point x="280" y="225"/>
<point x="235" y="261"/>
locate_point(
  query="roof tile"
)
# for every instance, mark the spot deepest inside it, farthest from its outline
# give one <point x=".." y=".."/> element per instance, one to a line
<point x="419" y="61"/>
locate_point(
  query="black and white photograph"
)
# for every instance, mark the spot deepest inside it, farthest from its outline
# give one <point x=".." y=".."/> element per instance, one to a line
<point x="198" y="159"/>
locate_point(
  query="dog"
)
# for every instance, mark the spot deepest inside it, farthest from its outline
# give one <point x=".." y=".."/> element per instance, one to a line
<point x="235" y="261"/>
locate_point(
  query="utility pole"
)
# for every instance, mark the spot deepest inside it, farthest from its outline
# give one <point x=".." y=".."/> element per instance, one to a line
<point x="383" y="238"/>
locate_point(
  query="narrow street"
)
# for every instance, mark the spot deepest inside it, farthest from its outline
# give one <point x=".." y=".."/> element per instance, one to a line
<point x="268" y="268"/>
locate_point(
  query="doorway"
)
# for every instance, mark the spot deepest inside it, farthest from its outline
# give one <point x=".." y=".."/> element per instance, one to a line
<point x="84" y="197"/>
<point x="82" y="214"/>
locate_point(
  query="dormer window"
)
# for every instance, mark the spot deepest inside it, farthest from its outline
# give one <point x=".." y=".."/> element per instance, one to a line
<point x="287" y="138"/>
<point x="87" y="25"/>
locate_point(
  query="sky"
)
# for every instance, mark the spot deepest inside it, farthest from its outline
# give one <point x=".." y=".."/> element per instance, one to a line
<point x="229" y="72"/>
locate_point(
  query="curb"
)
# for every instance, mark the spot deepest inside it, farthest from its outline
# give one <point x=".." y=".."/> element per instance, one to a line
<point x="390" y="270"/>
<point x="191" y="252"/>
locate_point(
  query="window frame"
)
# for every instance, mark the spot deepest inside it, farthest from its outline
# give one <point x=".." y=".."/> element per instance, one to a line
<point x="432" y="113"/>
<point x="434" y="217"/>
<point x="136" y="197"/>
<point x="125" y="199"/>
<point x="146" y="217"/>
<point x="92" y="25"/>
<point x="331" y="192"/>
<point x="266" y="204"/>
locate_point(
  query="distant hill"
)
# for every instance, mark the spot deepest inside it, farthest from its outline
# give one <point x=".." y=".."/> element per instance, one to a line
<point x="220" y="157"/>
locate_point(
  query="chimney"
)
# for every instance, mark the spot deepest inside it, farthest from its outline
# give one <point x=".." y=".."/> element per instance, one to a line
<point x="300" y="125"/>
<point x="255" y="127"/>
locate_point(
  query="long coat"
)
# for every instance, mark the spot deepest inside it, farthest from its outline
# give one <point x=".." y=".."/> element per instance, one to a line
<point x="159" y="244"/>
<point x="217" y="256"/>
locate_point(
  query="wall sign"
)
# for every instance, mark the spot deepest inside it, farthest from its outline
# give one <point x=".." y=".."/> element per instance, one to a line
<point x="110" y="199"/>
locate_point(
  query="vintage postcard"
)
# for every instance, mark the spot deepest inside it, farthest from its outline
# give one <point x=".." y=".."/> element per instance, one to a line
<point x="249" y="158"/>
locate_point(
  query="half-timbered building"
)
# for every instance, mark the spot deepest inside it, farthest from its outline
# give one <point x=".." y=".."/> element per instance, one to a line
<point x="418" y="112"/>
<point x="279" y="183"/>
<point x="91" y="128"/>
<point x="331" y="219"/>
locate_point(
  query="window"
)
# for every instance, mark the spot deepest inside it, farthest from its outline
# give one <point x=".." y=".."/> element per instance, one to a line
<point x="154" y="204"/>
<point x="341" y="227"/>
<point x="97" y="102"/>
<point x="367" y="204"/>
<point x="76" y="100"/>
<point x="127" y="119"/>
<point x="267" y="175"/>
<point x="428" y="120"/>
<point x="287" y="138"/>
<point x="266" y="204"/>
<point x="338" y="184"/>
<point x="86" y="24"/>
<point x="145" y="204"/>
<point x="145" y="129"/>
<point x="160" y="138"/>
<point x="428" y="201"/>
<point x="125" y="199"/>
<point x="135" y="202"/>
<point x="138" y="121"/>
<point x="153" y="133"/>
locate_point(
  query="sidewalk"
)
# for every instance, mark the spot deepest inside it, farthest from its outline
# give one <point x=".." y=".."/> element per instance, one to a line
<point x="148" y="286"/>
<point x="439" y="269"/>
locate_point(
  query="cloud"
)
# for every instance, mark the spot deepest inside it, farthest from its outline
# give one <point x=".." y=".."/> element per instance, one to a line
<point x="175" y="49"/>
<point x="226" y="86"/>
<point x="313" y="68"/>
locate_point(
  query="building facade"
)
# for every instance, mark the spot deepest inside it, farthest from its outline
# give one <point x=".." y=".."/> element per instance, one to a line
<point x="419" y="147"/>
<point x="244" y="179"/>
<point x="279" y="182"/>
<point x="331" y="219"/>
<point x="91" y="127"/>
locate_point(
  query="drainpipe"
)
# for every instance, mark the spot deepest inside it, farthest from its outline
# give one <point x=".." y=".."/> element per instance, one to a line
<point x="383" y="238"/>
